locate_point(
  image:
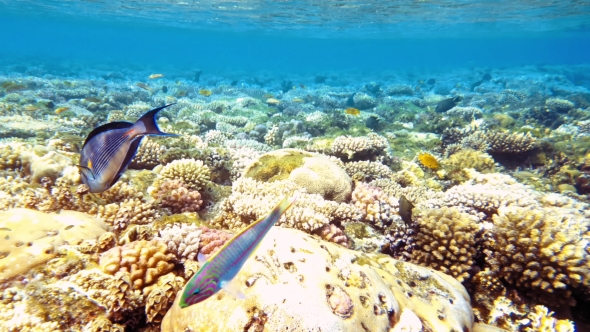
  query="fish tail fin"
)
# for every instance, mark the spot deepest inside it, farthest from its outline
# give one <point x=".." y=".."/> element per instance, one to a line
<point x="150" y="126"/>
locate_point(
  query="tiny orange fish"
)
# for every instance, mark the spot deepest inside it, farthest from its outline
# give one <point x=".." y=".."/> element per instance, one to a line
<point x="154" y="76"/>
<point x="61" y="110"/>
<point x="352" y="111"/>
<point x="205" y="93"/>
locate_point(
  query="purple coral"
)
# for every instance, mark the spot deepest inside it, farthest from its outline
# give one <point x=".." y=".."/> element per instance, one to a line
<point x="330" y="232"/>
<point x="212" y="240"/>
<point x="176" y="196"/>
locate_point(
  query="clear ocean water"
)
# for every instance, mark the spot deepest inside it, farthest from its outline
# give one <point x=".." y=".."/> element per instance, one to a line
<point x="295" y="36"/>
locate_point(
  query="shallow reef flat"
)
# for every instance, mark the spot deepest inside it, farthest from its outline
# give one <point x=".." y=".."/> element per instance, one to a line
<point x="447" y="201"/>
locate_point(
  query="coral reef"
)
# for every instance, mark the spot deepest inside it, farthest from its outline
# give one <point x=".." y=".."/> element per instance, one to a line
<point x="191" y="172"/>
<point x="285" y="288"/>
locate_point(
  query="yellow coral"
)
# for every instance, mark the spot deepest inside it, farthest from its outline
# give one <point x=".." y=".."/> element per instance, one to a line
<point x="446" y="241"/>
<point x="192" y="172"/>
<point x="145" y="261"/>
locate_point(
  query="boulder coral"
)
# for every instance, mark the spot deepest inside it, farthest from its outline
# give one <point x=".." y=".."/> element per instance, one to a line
<point x="297" y="282"/>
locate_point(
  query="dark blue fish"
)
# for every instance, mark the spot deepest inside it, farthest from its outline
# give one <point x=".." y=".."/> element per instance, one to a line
<point x="108" y="149"/>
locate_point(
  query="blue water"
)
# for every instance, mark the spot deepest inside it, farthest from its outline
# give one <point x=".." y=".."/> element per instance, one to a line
<point x="305" y="37"/>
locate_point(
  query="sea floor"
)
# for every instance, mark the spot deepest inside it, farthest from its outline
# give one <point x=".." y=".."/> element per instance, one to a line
<point x="481" y="173"/>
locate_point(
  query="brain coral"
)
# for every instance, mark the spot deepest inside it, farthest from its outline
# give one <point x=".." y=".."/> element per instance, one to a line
<point x="544" y="253"/>
<point x="316" y="173"/>
<point x="145" y="261"/>
<point x="192" y="172"/>
<point x="300" y="283"/>
<point x="30" y="238"/>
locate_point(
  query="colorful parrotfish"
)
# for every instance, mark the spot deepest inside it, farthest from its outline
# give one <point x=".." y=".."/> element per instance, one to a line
<point x="219" y="270"/>
<point x="108" y="149"/>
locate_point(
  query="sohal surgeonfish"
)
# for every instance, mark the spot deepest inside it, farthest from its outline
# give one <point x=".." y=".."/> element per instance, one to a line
<point x="108" y="149"/>
<point x="446" y="104"/>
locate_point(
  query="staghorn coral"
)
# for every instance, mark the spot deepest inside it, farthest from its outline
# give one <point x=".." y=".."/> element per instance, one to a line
<point x="182" y="240"/>
<point x="546" y="254"/>
<point x="376" y="207"/>
<point x="192" y="172"/>
<point x="446" y="240"/>
<point x="175" y="196"/>
<point x="145" y="261"/>
<point x="354" y="148"/>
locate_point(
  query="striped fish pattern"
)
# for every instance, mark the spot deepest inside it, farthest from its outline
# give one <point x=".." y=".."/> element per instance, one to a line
<point x="219" y="270"/>
<point x="109" y="149"/>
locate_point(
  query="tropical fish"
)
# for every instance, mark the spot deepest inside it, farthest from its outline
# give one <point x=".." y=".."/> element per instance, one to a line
<point x="143" y="86"/>
<point x="31" y="108"/>
<point x="205" y="93"/>
<point x="11" y="86"/>
<point x="267" y="96"/>
<point x="352" y="111"/>
<point x="219" y="270"/>
<point x="298" y="100"/>
<point x="154" y="76"/>
<point x="429" y="161"/>
<point x="61" y="110"/>
<point x="273" y="102"/>
<point x="447" y="104"/>
<point x="92" y="100"/>
<point x="108" y="149"/>
<point x="405" y="209"/>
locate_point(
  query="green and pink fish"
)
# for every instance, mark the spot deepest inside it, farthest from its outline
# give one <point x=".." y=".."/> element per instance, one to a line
<point x="219" y="270"/>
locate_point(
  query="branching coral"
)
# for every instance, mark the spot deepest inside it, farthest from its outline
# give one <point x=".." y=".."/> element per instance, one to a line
<point x="174" y="195"/>
<point x="359" y="147"/>
<point x="145" y="261"/>
<point x="546" y="254"/>
<point x="367" y="170"/>
<point x="149" y="155"/>
<point x="182" y="240"/>
<point x="192" y="172"/>
<point x="446" y="240"/>
<point x="506" y="142"/>
<point x="376" y="207"/>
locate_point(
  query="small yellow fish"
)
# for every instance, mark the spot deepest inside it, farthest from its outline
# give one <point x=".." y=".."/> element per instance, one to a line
<point x="31" y="108"/>
<point x="352" y="111"/>
<point x="298" y="100"/>
<point x="61" y="110"/>
<point x="143" y="86"/>
<point x="154" y="76"/>
<point x="92" y="100"/>
<point x="273" y="101"/>
<point x="205" y="93"/>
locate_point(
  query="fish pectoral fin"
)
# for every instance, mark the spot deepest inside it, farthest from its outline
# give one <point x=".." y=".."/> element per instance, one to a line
<point x="87" y="172"/>
<point x="233" y="288"/>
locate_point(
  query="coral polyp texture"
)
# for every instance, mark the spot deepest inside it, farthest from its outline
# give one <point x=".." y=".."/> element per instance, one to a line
<point x="193" y="173"/>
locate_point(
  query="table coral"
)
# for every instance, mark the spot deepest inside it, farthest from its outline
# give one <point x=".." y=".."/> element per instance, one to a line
<point x="145" y="261"/>
<point x="301" y="283"/>
<point x="193" y="173"/>
<point x="30" y="238"/>
<point x="363" y="147"/>
<point x="446" y="240"/>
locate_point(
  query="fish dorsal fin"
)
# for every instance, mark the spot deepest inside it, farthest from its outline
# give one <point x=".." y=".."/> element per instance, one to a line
<point x="107" y="127"/>
<point x="150" y="126"/>
<point x="233" y="288"/>
<point x="201" y="258"/>
<point x="128" y="157"/>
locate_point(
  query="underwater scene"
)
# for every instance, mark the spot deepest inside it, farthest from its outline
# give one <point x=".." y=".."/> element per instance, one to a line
<point x="296" y="165"/>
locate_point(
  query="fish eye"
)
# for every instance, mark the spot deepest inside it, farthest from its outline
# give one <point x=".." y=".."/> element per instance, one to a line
<point x="197" y="291"/>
